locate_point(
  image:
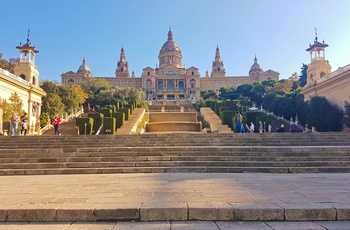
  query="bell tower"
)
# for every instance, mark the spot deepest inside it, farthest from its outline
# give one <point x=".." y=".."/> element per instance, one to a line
<point x="26" y="68"/>
<point x="218" y="69"/>
<point x="122" y="70"/>
<point x="319" y="67"/>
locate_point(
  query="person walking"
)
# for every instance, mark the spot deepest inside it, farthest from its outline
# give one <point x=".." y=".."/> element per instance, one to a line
<point x="238" y="119"/>
<point x="24" y="122"/>
<point x="14" y="124"/>
<point x="251" y="127"/>
<point x="261" y="127"/>
<point x="56" y="121"/>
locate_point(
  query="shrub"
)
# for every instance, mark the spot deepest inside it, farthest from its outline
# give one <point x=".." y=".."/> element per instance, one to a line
<point x="97" y="120"/>
<point x="120" y="118"/>
<point x="81" y="121"/>
<point x="109" y="123"/>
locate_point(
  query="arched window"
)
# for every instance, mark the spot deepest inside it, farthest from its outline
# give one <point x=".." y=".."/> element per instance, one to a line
<point x="171" y="85"/>
<point x="22" y="76"/>
<point x="193" y="83"/>
<point x="192" y="73"/>
<point x="148" y="73"/>
<point x="148" y="84"/>
<point x="181" y="85"/>
<point x="160" y="85"/>
<point x="34" y="80"/>
<point x="322" y="74"/>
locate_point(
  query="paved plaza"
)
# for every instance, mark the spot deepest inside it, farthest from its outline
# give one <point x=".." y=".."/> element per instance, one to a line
<point x="175" y="197"/>
<point x="181" y="225"/>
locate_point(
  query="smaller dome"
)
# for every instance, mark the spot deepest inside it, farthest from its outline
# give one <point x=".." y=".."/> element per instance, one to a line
<point x="83" y="68"/>
<point x="255" y="67"/>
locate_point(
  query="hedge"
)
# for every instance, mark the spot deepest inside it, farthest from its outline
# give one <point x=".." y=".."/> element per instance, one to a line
<point x="227" y="118"/>
<point x="109" y="123"/>
<point x="120" y="118"/>
<point x="106" y="112"/>
<point x="232" y="105"/>
<point x="126" y="111"/>
<point x="81" y="121"/>
<point x="116" y="106"/>
<point x="97" y="120"/>
<point x="218" y="105"/>
<point x="130" y="106"/>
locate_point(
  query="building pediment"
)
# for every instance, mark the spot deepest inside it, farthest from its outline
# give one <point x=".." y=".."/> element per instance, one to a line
<point x="148" y="69"/>
<point x="68" y="73"/>
<point x="269" y="71"/>
<point x="192" y="68"/>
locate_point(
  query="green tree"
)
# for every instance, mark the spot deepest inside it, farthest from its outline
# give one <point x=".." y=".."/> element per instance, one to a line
<point x="244" y="90"/>
<point x="323" y="115"/>
<point x="347" y="114"/>
<point x="13" y="104"/>
<point x="81" y="95"/>
<point x="227" y="93"/>
<point x="209" y="95"/>
<point x="300" y="107"/>
<point x="50" y="87"/>
<point x="257" y="93"/>
<point x="52" y="104"/>
<point x="69" y="98"/>
<point x="303" y="76"/>
<point x="8" y="65"/>
<point x="93" y="86"/>
<point x="269" y="83"/>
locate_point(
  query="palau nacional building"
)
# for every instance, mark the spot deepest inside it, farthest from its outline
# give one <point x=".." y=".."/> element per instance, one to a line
<point x="170" y="80"/>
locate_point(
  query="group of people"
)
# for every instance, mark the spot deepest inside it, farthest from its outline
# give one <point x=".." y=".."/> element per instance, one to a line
<point x="240" y="127"/>
<point x="15" y="119"/>
<point x="238" y="119"/>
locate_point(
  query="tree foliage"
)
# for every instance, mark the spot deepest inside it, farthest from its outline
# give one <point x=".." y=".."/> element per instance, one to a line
<point x="93" y="87"/>
<point x="13" y="104"/>
<point x="323" y="115"/>
<point x="303" y="75"/>
<point x="209" y="95"/>
<point x="52" y="104"/>
<point x="347" y="114"/>
<point x="283" y="98"/>
<point x="8" y="65"/>
<point x="71" y="98"/>
<point x="80" y="93"/>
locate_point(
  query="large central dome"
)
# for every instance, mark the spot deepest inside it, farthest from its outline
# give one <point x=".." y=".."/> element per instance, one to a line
<point x="170" y="45"/>
<point x="170" y="53"/>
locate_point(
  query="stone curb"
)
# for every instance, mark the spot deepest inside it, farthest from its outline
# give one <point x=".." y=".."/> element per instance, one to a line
<point x="178" y="212"/>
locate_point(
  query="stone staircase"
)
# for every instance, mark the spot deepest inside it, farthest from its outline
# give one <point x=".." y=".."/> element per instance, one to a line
<point x="180" y="152"/>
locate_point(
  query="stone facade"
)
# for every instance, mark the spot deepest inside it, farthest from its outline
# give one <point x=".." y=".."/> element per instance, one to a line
<point x="25" y="82"/>
<point x="335" y="86"/>
<point x="170" y="80"/>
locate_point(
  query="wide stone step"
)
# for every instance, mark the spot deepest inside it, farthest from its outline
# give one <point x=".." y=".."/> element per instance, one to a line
<point x="183" y="169"/>
<point x="135" y="163"/>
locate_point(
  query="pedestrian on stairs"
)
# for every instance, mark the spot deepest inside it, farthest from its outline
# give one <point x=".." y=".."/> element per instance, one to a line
<point x="56" y="121"/>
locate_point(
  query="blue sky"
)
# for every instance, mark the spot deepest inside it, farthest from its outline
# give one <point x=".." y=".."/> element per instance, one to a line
<point x="277" y="31"/>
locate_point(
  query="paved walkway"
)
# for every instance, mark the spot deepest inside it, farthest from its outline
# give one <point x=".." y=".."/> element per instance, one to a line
<point x="176" y="197"/>
<point x="181" y="225"/>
